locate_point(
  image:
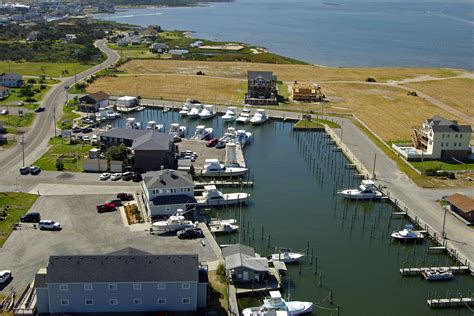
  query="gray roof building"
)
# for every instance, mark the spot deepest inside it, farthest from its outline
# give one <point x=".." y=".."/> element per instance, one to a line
<point x="440" y="124"/>
<point x="167" y="178"/>
<point x="241" y="256"/>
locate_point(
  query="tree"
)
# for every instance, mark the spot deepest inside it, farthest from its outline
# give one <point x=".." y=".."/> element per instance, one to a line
<point x="27" y="91"/>
<point x="119" y="152"/>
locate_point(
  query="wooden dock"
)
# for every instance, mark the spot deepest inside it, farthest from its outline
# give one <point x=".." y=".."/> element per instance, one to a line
<point x="417" y="271"/>
<point x="225" y="184"/>
<point x="451" y="302"/>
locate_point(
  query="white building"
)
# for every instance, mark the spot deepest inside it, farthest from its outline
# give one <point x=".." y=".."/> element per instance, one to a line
<point x="166" y="191"/>
<point x="438" y="139"/>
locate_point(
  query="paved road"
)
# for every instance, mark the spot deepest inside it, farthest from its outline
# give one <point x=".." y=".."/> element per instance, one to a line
<point x="36" y="138"/>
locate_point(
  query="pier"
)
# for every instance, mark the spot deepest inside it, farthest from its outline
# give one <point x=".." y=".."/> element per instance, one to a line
<point x="417" y="271"/>
<point x="451" y="302"/>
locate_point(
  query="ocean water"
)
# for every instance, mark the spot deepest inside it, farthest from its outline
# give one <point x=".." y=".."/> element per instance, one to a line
<point x="416" y="33"/>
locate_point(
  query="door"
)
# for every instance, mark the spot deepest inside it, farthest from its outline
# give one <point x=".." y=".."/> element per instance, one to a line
<point x="246" y="276"/>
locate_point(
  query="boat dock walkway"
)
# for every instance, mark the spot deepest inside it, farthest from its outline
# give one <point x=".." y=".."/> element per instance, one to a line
<point x="212" y="241"/>
<point x="451" y="302"/>
<point x="224" y="183"/>
<point x="272" y="284"/>
<point x="417" y="271"/>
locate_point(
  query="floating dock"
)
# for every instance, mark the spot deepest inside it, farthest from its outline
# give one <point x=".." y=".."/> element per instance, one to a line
<point x="417" y="271"/>
<point x="451" y="302"/>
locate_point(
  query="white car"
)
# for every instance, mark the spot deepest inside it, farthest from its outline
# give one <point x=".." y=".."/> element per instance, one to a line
<point x="49" y="224"/>
<point x="104" y="176"/>
<point x="115" y="176"/>
<point x="4" y="112"/>
<point x="86" y="139"/>
<point x="5" y="275"/>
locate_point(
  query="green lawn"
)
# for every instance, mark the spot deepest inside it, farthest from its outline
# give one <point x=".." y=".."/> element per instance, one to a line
<point x="439" y="165"/>
<point x="18" y="121"/>
<point x="48" y="160"/>
<point x="315" y="123"/>
<point x="13" y="99"/>
<point x="68" y="117"/>
<point x="38" y="69"/>
<point x="16" y="204"/>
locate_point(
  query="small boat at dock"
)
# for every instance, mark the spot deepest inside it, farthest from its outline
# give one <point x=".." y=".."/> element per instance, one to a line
<point x="259" y="117"/>
<point x="132" y="123"/>
<point x="173" y="223"/>
<point x="207" y="112"/>
<point x="408" y="235"/>
<point x="177" y="131"/>
<point x="213" y="168"/>
<point x="276" y="303"/>
<point x="229" y="115"/>
<point x="440" y="274"/>
<point x="213" y="197"/>
<point x="223" y="226"/>
<point x="244" y="116"/>
<point x="287" y="256"/>
<point x="367" y="190"/>
<point x="194" y="111"/>
<point x="202" y="133"/>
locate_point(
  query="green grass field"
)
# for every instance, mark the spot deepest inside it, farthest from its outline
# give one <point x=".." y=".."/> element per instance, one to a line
<point x="38" y="69"/>
<point x="18" y="121"/>
<point x="17" y="204"/>
<point x="68" y="117"/>
<point x="13" y="99"/>
<point x="48" y="160"/>
<point x="439" y="165"/>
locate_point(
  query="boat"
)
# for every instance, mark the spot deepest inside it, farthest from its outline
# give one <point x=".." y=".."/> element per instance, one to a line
<point x="177" y="131"/>
<point x="213" y="197"/>
<point x="286" y="256"/>
<point x="140" y="108"/>
<point x="131" y="123"/>
<point x="223" y="226"/>
<point x="229" y="114"/>
<point x="212" y="168"/>
<point x="173" y="223"/>
<point x="242" y="137"/>
<point x="184" y="111"/>
<point x="367" y="190"/>
<point x="407" y="234"/>
<point x="207" y="112"/>
<point x="166" y="109"/>
<point x="105" y="114"/>
<point x="151" y="125"/>
<point x="440" y="274"/>
<point x="263" y="311"/>
<point x="194" y="111"/>
<point x="259" y="117"/>
<point x="202" y="133"/>
<point x="244" y="116"/>
<point x="276" y="303"/>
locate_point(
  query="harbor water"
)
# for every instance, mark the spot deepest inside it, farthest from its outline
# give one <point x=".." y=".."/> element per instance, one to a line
<point x="294" y="203"/>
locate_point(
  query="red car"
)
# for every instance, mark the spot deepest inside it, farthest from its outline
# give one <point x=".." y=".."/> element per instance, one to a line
<point x="106" y="207"/>
<point x="213" y="142"/>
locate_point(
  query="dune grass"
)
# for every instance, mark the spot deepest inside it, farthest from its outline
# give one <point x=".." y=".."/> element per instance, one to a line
<point x="38" y="69"/>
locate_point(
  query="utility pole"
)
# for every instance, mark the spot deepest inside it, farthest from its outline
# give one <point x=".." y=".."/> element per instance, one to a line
<point x="342" y="129"/>
<point x="443" y="234"/>
<point x="54" y="122"/>
<point x="373" y="169"/>
<point x="23" y="148"/>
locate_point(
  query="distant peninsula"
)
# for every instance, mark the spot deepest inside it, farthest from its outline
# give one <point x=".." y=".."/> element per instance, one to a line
<point x="168" y="3"/>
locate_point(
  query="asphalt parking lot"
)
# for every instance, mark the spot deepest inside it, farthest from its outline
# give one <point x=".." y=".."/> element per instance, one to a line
<point x="84" y="232"/>
<point x="203" y="152"/>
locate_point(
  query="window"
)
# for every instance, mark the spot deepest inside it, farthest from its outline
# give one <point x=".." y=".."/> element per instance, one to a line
<point x="137" y="287"/>
<point x="113" y="301"/>
<point x="443" y="135"/>
<point x="459" y="145"/>
<point x="137" y="301"/>
<point x="87" y="287"/>
<point x="63" y="287"/>
<point x="89" y="301"/>
<point x="161" y="286"/>
<point x="447" y="136"/>
<point x="113" y="287"/>
<point x="442" y="144"/>
<point x="455" y="144"/>
<point x="456" y="135"/>
<point x="460" y="135"/>
<point x="186" y="301"/>
<point x="186" y="286"/>
<point x="64" y="302"/>
<point x="161" y="301"/>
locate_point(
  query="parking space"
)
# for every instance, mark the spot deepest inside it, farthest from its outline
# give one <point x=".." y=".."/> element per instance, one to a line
<point x="84" y="232"/>
<point x="202" y="151"/>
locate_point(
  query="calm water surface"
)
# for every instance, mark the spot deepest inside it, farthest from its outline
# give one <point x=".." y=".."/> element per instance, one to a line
<point x="417" y="33"/>
<point x="296" y="176"/>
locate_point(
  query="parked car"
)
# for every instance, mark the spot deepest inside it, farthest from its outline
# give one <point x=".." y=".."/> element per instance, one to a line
<point x="76" y="129"/>
<point x="5" y="275"/>
<point x="127" y="176"/>
<point x="137" y="177"/>
<point x="34" y="170"/>
<point x="190" y="233"/>
<point x="86" y="139"/>
<point x="115" y="202"/>
<point x="213" y="142"/>
<point x="25" y="170"/>
<point x="31" y="217"/>
<point x="21" y="103"/>
<point x="125" y="196"/>
<point x="104" y="176"/>
<point x="115" y="176"/>
<point x="106" y="207"/>
<point x="87" y="130"/>
<point x="4" y="112"/>
<point x="40" y="109"/>
<point x="49" y="224"/>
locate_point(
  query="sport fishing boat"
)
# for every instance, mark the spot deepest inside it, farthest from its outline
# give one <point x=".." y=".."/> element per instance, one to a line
<point x="259" y="117"/>
<point x="441" y="274"/>
<point x="173" y="223"/>
<point x="194" y="111"/>
<point x="367" y="190"/>
<point x="207" y="112"/>
<point x="287" y="256"/>
<point x="151" y="125"/>
<point x="177" y="131"/>
<point x="213" y="197"/>
<point x="212" y="168"/>
<point x="244" y="116"/>
<point x="276" y="303"/>
<point x="202" y="133"/>
<point x="223" y="225"/>
<point x="229" y="115"/>
<point x="131" y="123"/>
<point x="184" y="110"/>
<point x="408" y="235"/>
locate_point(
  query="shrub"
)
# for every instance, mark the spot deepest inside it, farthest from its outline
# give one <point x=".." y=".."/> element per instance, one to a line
<point x="371" y="79"/>
<point x="220" y="272"/>
<point x="59" y="165"/>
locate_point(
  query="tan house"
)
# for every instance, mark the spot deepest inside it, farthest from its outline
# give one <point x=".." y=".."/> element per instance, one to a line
<point x="307" y="92"/>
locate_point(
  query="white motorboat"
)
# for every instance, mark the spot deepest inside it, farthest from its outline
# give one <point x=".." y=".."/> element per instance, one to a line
<point x="202" y="133"/>
<point x="132" y="123"/>
<point x="194" y="111"/>
<point x="173" y="223"/>
<point x="177" y="131"/>
<point x="244" y="116"/>
<point x="367" y="190"/>
<point x="287" y="256"/>
<point x="184" y="111"/>
<point x="276" y="303"/>
<point x="407" y="234"/>
<point x="242" y="137"/>
<point x="213" y="197"/>
<point x="259" y="117"/>
<point x="441" y="274"/>
<point x="229" y="115"/>
<point x="223" y="226"/>
<point x="207" y="112"/>
<point x="263" y="311"/>
<point x="212" y="168"/>
<point x="151" y="125"/>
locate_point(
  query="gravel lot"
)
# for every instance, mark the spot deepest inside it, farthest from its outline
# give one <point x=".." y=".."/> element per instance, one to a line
<point x="84" y="232"/>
